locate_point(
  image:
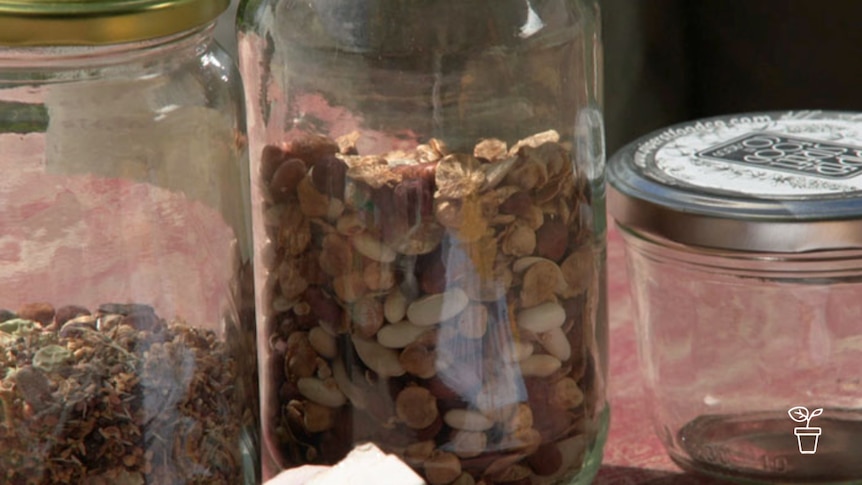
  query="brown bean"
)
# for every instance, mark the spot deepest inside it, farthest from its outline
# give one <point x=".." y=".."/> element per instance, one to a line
<point x="329" y="176"/>
<point x="37" y="312"/>
<point x="286" y="178"/>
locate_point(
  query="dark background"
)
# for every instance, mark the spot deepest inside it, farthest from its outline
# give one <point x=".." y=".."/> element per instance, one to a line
<point x="668" y="61"/>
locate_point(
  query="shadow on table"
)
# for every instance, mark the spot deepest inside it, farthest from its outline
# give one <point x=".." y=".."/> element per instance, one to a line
<point x="619" y="475"/>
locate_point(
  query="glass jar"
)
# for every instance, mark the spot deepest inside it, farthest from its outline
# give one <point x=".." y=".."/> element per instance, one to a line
<point x="744" y="245"/>
<point x="127" y="321"/>
<point x="429" y="230"/>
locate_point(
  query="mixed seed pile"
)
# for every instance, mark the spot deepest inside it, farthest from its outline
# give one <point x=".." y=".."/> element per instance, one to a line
<point x="438" y="304"/>
<point x="117" y="396"/>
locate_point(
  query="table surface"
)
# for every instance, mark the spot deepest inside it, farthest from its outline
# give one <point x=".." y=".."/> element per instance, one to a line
<point x="633" y="454"/>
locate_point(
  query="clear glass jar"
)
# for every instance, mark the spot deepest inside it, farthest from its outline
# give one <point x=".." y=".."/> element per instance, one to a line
<point x="745" y="257"/>
<point x="127" y="321"/>
<point x="428" y="210"/>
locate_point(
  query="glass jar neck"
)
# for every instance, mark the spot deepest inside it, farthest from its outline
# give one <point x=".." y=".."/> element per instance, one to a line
<point x="162" y="49"/>
<point x="840" y="265"/>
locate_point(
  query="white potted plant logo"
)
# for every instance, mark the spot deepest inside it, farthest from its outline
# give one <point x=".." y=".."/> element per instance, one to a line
<point x="806" y="436"/>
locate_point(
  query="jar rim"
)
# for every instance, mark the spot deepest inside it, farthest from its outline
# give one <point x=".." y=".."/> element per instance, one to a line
<point x="100" y="22"/>
<point x="768" y="182"/>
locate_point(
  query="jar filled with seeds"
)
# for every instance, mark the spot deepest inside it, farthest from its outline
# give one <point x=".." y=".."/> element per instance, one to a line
<point x="126" y="295"/>
<point x="429" y="230"/>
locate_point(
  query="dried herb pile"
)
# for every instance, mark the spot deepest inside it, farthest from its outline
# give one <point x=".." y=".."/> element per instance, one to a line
<point x="118" y="396"/>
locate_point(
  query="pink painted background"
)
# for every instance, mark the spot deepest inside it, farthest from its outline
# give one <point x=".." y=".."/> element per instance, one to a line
<point x="633" y="453"/>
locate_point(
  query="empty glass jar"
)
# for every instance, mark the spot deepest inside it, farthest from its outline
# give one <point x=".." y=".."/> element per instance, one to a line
<point x="744" y="245"/>
<point x="428" y="207"/>
<point x="126" y="302"/>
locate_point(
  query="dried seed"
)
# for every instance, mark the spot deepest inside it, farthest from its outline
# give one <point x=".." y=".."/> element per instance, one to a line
<point x="467" y="420"/>
<point x="566" y="394"/>
<point x="322" y="392"/>
<point x="434" y="277"/>
<point x="528" y="175"/>
<point x="552" y="240"/>
<point x="448" y="213"/>
<point x="322" y="342"/>
<point x="542" y="282"/>
<point x="465" y="479"/>
<point x="492" y="288"/>
<point x="534" y="218"/>
<point x="349" y="287"/>
<point x="542" y="318"/>
<point x="517" y="204"/>
<point x="286" y="178"/>
<point x="437" y="308"/>
<point x="578" y="270"/>
<point x="350" y="224"/>
<point x="539" y="365"/>
<point x="51" y="358"/>
<point x="523" y="264"/>
<point x="412" y="200"/>
<point x="271" y="159"/>
<point x="328" y="313"/>
<point x="347" y="143"/>
<point x="500" y="465"/>
<point x="490" y="149"/>
<point x="537" y="140"/>
<point x="546" y="461"/>
<point x="145" y="320"/>
<point x="458" y="176"/>
<point x="468" y="444"/>
<point x="336" y="255"/>
<point x="416" y="453"/>
<point x="442" y="468"/>
<point x="395" y="306"/>
<point x="68" y="312"/>
<point x="335" y="209"/>
<point x="290" y="279"/>
<point x="313" y="203"/>
<point x="514" y="475"/>
<point x="311" y="147"/>
<point x="373" y="171"/>
<point x="400" y="334"/>
<point x="300" y="359"/>
<point x="373" y="249"/>
<point x="439" y="146"/>
<point x="495" y="173"/>
<point x="347" y="387"/>
<point x="378" y="358"/>
<point x="378" y="277"/>
<point x="328" y="176"/>
<point x="420" y="239"/>
<point x="294" y="233"/>
<point x="78" y="326"/>
<point x="556" y="342"/>
<point x="34" y="388"/>
<point x="317" y="418"/>
<point x="37" y="312"/>
<point x="416" y="407"/>
<point x="521" y="350"/>
<point x="419" y="359"/>
<point x="518" y="240"/>
<point x="367" y="315"/>
<point x="525" y="440"/>
<point x="124" y="309"/>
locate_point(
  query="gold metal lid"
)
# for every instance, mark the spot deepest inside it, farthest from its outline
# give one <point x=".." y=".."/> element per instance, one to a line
<point x="99" y="22"/>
